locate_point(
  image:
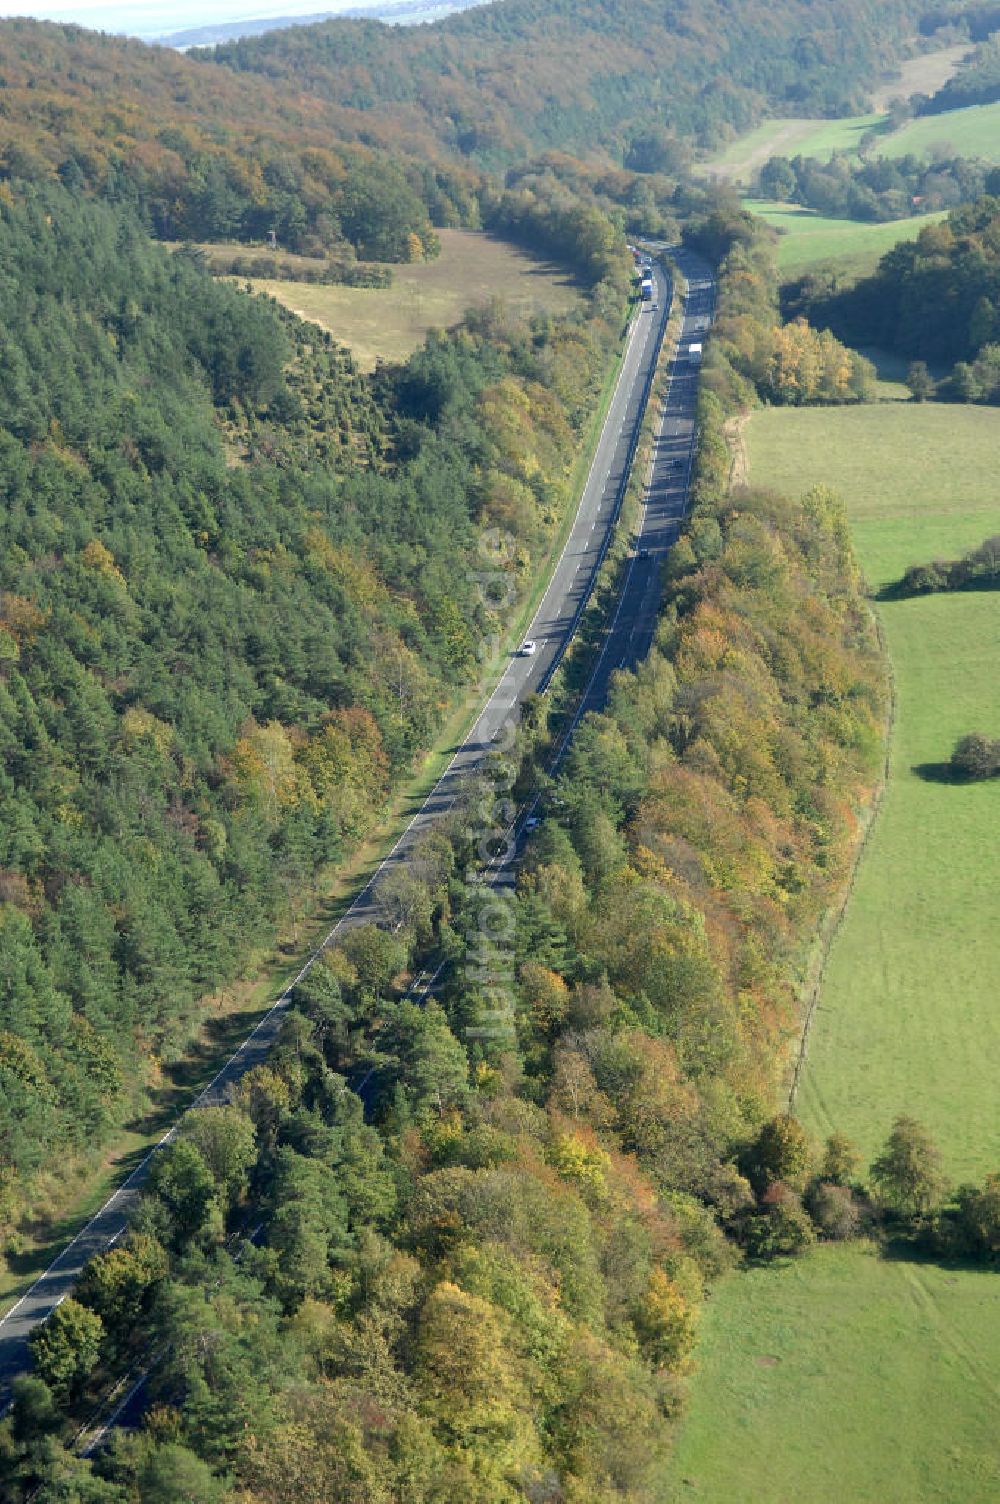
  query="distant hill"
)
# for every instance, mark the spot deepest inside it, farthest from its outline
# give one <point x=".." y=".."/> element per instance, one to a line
<point x="401" y="13"/>
<point x="510" y="79"/>
<point x="230" y="161"/>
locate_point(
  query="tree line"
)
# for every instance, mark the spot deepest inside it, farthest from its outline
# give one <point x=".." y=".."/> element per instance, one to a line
<point x="979" y="569"/>
<point x="876" y="189"/>
<point x="754" y="354"/>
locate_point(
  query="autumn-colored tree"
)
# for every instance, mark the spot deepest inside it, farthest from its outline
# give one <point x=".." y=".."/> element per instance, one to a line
<point x="907" y="1175"/>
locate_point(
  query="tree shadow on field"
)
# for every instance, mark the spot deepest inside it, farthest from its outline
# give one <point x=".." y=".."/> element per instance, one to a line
<point x="939" y="772"/>
<point x="897" y="1248"/>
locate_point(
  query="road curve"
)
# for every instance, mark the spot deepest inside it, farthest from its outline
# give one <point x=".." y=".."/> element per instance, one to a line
<point x="552" y="628"/>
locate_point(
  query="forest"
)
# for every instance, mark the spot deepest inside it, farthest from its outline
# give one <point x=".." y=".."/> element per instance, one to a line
<point x="446" y="1245"/>
<point x="934" y="299"/>
<point x="481" y="1277"/>
<point x="137" y="126"/>
<point x="233" y="608"/>
<point x="498" y="83"/>
<point x="290" y="133"/>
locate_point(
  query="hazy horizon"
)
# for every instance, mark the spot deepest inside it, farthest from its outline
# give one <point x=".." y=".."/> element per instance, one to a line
<point x="153" y="18"/>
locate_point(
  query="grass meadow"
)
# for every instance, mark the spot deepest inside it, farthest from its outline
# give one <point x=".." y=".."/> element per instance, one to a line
<point x="787" y="137"/>
<point x="391" y="322"/>
<point x="972" y="132"/>
<point x="908" y="1017"/>
<point x="845" y="1377"/>
<point x="848" y="1376"/>
<point x="808" y="238"/>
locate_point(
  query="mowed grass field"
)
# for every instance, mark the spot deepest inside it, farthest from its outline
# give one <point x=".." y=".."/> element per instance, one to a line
<point x="391" y="322"/>
<point x="846" y="1376"/>
<point x="808" y="238"/>
<point x="787" y="137"/>
<point x="972" y="132"/>
<point x="908" y="1019"/>
<point x="845" y="1379"/>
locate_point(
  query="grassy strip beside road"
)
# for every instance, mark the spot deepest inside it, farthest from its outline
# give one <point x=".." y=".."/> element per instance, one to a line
<point x="74" y="1194"/>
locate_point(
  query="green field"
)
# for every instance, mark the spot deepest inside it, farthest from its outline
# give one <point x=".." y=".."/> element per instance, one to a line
<point x="972" y="132"/>
<point x="908" y="1018"/>
<point x="391" y="322"/>
<point x="788" y="138"/>
<point x="808" y="237"/>
<point x="846" y="1376"/>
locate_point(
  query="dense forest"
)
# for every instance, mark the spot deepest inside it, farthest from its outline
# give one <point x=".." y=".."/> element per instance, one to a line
<point x="481" y="1278"/>
<point x="508" y="80"/>
<point x="137" y="125"/>
<point x="935" y="299"/>
<point x="237" y="594"/>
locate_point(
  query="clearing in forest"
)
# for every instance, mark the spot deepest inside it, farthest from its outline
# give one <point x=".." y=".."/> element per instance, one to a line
<point x="808" y="238"/>
<point x="390" y="322"/>
<point x="970" y="132"/>
<point x="846" y="1375"/>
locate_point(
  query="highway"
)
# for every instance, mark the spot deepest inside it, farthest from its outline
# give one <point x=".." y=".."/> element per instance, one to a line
<point x="551" y="629"/>
<point x="629" y="635"/>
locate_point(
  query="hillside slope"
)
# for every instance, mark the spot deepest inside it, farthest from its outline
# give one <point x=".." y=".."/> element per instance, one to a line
<point x="238" y="593"/>
<point x="519" y="76"/>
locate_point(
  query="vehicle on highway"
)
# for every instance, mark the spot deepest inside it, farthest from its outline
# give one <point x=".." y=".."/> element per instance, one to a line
<point x="528" y="648"/>
<point x="694" y="350"/>
<point x="532" y="822"/>
<point x="643" y="553"/>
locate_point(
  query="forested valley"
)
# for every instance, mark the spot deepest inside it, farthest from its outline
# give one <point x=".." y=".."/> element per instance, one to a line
<point x="356" y="138"/>
<point x="234" y="607"/>
<point x="428" y="1251"/>
<point x="482" y="1279"/>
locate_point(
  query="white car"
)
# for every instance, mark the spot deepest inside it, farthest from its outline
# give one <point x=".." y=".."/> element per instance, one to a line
<point x="529" y="647"/>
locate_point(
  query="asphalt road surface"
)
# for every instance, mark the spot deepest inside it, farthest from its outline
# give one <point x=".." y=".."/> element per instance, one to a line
<point x="552" y="628"/>
<point x="630" y="633"/>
